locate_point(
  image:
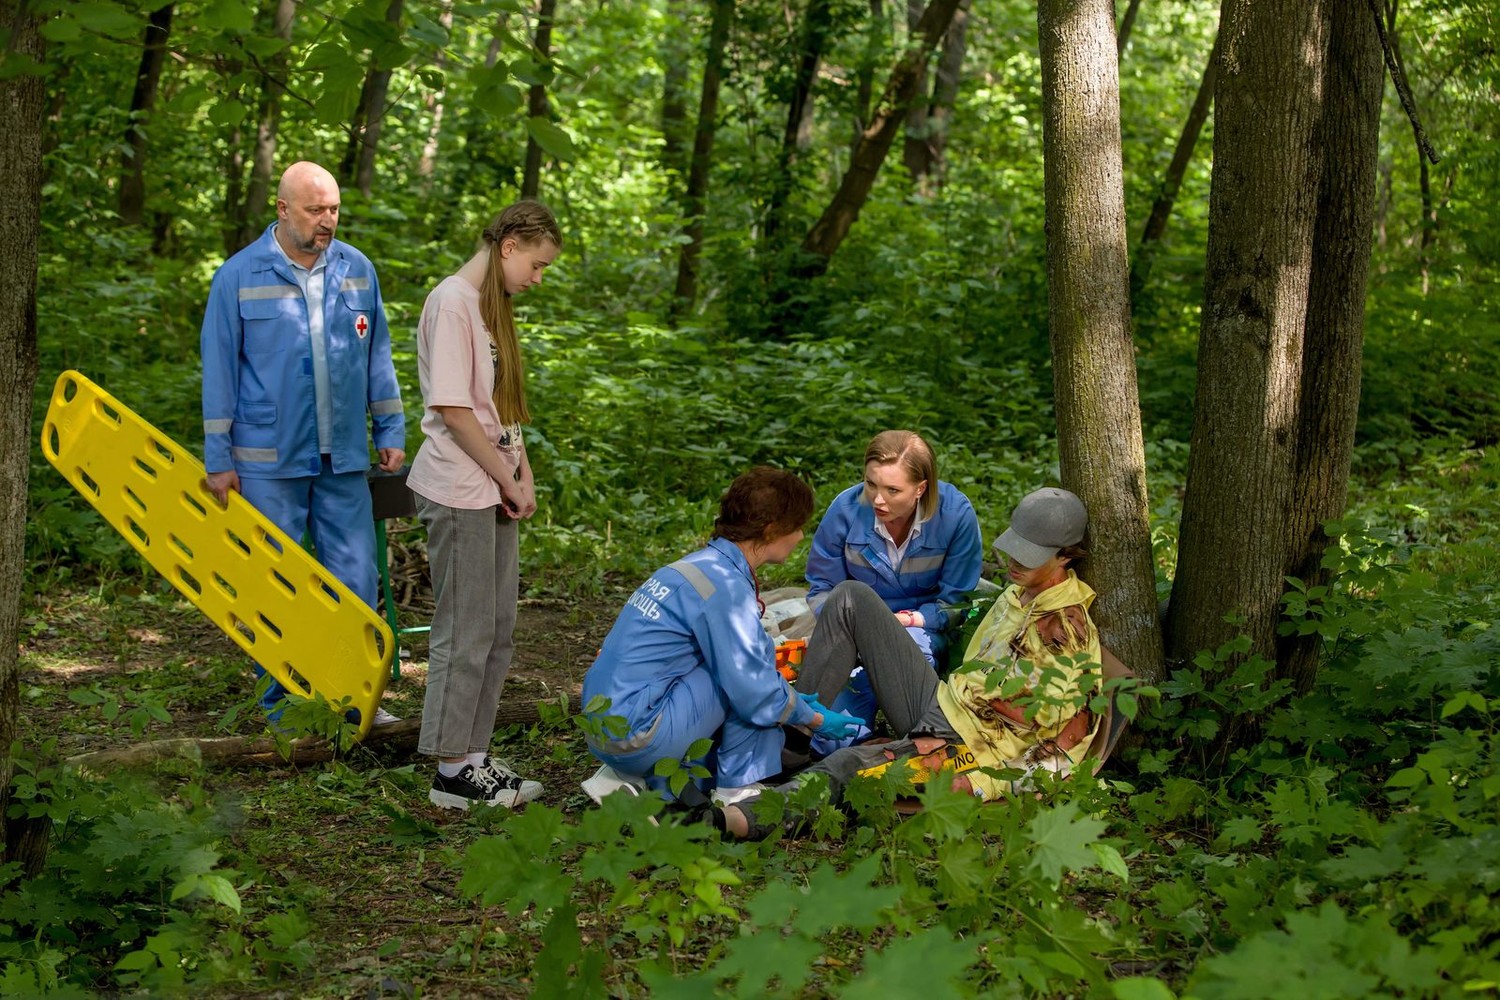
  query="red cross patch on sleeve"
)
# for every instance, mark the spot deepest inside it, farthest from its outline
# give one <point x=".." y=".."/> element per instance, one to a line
<point x="361" y="326"/>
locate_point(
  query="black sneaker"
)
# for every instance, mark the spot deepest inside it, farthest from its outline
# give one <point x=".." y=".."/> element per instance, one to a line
<point x="469" y="786"/>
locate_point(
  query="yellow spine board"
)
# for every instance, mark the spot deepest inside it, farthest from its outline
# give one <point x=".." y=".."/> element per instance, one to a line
<point x="262" y="588"/>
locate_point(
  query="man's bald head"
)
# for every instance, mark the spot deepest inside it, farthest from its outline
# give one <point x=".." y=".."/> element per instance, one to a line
<point x="298" y="177"/>
<point x="307" y="207"/>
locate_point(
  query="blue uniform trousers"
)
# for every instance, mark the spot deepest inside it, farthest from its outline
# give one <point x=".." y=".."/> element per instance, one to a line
<point x="692" y="710"/>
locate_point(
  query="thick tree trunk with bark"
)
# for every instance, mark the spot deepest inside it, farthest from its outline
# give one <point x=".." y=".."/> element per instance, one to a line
<point x="824" y="238"/>
<point x="268" y="122"/>
<point x="1171" y="183"/>
<point x="1236" y="525"/>
<point x="1333" y="333"/>
<point x="695" y="198"/>
<point x="1088" y="307"/>
<point x="22" y="99"/>
<point x="147" y="81"/>
<point x="536" y="99"/>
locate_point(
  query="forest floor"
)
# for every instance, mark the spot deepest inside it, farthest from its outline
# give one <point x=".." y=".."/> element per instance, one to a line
<point x="354" y="846"/>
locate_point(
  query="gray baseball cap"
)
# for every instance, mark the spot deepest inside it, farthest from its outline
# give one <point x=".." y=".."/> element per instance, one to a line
<point x="1042" y="523"/>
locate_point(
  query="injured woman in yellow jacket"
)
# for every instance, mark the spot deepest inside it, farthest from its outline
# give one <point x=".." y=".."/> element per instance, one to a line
<point x="1019" y="702"/>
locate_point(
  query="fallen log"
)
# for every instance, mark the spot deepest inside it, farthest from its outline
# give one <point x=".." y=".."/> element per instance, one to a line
<point x="259" y="751"/>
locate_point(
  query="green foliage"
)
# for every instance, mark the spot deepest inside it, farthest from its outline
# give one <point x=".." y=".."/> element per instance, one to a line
<point x="134" y="895"/>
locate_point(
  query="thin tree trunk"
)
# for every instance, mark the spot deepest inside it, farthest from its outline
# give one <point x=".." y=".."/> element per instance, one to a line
<point x="536" y="103"/>
<point x="1171" y="182"/>
<point x="945" y="92"/>
<point x="358" y="165"/>
<point x="1333" y="334"/>
<point x="816" y="24"/>
<point x="864" y="74"/>
<point x="435" y="101"/>
<point x="22" y="104"/>
<point x="268" y="122"/>
<point x="1424" y="174"/>
<point x="1088" y="307"/>
<point x="915" y="154"/>
<point x="1126" y="24"/>
<point x="823" y="240"/>
<point x="695" y="199"/>
<point x="674" y="91"/>
<point x="147" y="80"/>
<point x="1235" y="533"/>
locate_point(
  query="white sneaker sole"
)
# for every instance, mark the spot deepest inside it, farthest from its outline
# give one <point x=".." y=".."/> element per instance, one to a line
<point x="729" y="796"/>
<point x="607" y="780"/>
<point x="512" y="797"/>
<point x="448" y="800"/>
<point x="509" y="798"/>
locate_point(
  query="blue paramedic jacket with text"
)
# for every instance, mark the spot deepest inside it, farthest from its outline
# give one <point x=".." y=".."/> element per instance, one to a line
<point x="259" y="409"/>
<point x="699" y="613"/>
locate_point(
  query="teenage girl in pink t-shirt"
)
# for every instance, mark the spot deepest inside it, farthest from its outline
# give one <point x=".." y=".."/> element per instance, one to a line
<point x="473" y="484"/>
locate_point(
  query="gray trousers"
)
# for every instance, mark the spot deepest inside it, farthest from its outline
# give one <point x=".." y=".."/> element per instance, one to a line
<point x="855" y="626"/>
<point x="474" y="559"/>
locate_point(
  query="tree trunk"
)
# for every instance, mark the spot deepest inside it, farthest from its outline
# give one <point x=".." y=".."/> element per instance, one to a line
<point x="1235" y="533"/>
<point x="435" y="101"/>
<point x="1333" y="333"/>
<point x="1171" y="183"/>
<point x="1088" y="308"/>
<point x="945" y="92"/>
<point x="674" y="91"/>
<point x="268" y="121"/>
<point x="147" y="80"/>
<point x="536" y="101"/>
<point x="261" y="751"/>
<point x="813" y="38"/>
<point x="1424" y="174"/>
<point x="823" y="240"/>
<point x="915" y="154"/>
<point x="696" y="196"/>
<point x="864" y="73"/>
<point x="22" y="100"/>
<point x="1126" y="24"/>
<point x="358" y="166"/>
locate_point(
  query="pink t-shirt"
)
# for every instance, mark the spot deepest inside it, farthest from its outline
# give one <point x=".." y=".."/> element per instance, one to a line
<point x="456" y="367"/>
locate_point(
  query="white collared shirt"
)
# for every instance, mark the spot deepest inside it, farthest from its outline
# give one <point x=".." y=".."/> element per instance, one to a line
<point x="895" y="553"/>
<point x="310" y="279"/>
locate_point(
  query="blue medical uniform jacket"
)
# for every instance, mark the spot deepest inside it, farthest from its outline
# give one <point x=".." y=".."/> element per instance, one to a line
<point x="939" y="567"/>
<point x="699" y="616"/>
<point x="259" y="409"/>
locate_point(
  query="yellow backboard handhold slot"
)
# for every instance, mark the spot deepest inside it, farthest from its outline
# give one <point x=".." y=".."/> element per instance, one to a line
<point x="274" y="600"/>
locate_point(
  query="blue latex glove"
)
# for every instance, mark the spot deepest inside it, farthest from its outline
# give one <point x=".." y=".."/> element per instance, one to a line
<point x="836" y="725"/>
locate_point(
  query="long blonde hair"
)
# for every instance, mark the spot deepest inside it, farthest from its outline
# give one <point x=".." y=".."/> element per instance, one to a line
<point x="528" y="223"/>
